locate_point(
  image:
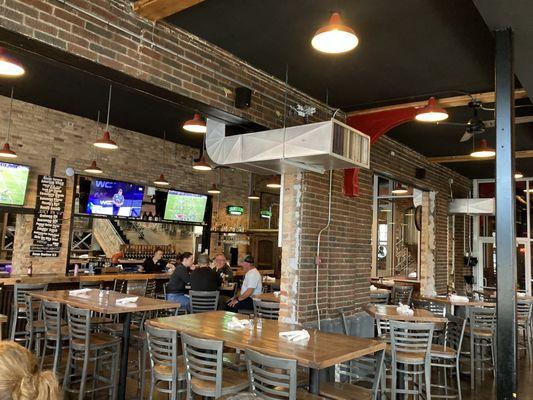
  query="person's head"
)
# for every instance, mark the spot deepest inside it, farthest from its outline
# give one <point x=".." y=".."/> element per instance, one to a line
<point x="187" y="259"/>
<point x="248" y="263"/>
<point x="203" y="260"/>
<point x="20" y="378"/>
<point x="119" y="191"/>
<point x="158" y="254"/>
<point x="220" y="260"/>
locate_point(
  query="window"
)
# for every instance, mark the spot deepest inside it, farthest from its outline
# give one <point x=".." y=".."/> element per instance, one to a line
<point x="396" y="236"/>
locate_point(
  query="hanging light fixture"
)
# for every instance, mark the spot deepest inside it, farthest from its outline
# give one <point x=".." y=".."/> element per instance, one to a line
<point x="518" y="175"/>
<point x="399" y="189"/>
<point x="274" y="182"/>
<point x="431" y="112"/>
<point x="10" y="67"/>
<point x="195" y="125"/>
<point x="254" y="196"/>
<point x="93" y="168"/>
<point x="214" y="189"/>
<point x="105" y="141"/>
<point x="161" y="181"/>
<point x="6" y="151"/>
<point x="201" y="164"/>
<point x="483" y="150"/>
<point x="335" y="38"/>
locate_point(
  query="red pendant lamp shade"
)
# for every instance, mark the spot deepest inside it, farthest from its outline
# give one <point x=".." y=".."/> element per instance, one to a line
<point x="10" y="67"/>
<point x="6" y="152"/>
<point x="105" y="142"/>
<point x="195" y="125"/>
<point x="483" y="150"/>
<point x="201" y="164"/>
<point x="214" y="189"/>
<point x="432" y="112"/>
<point x="93" y="168"/>
<point x="161" y="181"/>
<point x="274" y="182"/>
<point x="335" y="37"/>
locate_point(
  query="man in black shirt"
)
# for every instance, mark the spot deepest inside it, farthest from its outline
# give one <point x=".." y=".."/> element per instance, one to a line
<point x="179" y="279"/>
<point x="203" y="278"/>
<point x="223" y="268"/>
<point x="156" y="264"/>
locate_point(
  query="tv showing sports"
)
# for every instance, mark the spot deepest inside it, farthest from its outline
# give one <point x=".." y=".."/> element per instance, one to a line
<point x="108" y="197"/>
<point x="185" y="207"/>
<point x="13" y="183"/>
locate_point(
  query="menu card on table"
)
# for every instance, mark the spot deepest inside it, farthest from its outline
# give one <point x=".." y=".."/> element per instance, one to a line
<point x="46" y="233"/>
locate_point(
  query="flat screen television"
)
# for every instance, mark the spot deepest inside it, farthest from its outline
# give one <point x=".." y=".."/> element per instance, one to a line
<point x="109" y="197"/>
<point x="13" y="183"/>
<point x="185" y="207"/>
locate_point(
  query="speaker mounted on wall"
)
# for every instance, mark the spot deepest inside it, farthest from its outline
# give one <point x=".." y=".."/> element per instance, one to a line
<point x="243" y="97"/>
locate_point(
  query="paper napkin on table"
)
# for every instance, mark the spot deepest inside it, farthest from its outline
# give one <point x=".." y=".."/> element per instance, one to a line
<point x="521" y="294"/>
<point x="127" y="300"/>
<point x="372" y="288"/>
<point x="276" y="293"/>
<point x="295" y="336"/>
<point x="79" y="292"/>
<point x="236" y="323"/>
<point x="456" y="298"/>
<point x="270" y="279"/>
<point x="404" y="309"/>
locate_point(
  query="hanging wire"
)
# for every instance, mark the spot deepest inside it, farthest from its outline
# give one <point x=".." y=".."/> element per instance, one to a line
<point x="10" y="115"/>
<point x="108" y="107"/>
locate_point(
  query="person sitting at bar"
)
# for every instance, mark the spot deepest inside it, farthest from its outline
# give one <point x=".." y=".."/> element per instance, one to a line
<point x="251" y="286"/>
<point x="203" y="278"/>
<point x="222" y="267"/>
<point x="179" y="279"/>
<point x="155" y="264"/>
<point x="20" y="377"/>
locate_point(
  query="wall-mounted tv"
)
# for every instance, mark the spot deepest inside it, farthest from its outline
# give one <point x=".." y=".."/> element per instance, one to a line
<point x="13" y="183"/>
<point x="109" y="197"/>
<point x="185" y="207"/>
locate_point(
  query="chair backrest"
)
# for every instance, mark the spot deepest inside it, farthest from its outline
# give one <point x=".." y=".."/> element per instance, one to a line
<point x="90" y="284"/>
<point x="266" y="309"/>
<point x="120" y="285"/>
<point x="203" y="361"/>
<point x="524" y="309"/>
<point x="482" y="318"/>
<point x="137" y="287"/>
<point x="437" y="308"/>
<point x="411" y="337"/>
<point x="21" y="289"/>
<point x="33" y="308"/>
<point x="383" y="328"/>
<point x="401" y="294"/>
<point x="79" y="324"/>
<point x="52" y="318"/>
<point x="379" y="298"/>
<point x="271" y="378"/>
<point x="163" y="347"/>
<point x="202" y="301"/>
<point x="151" y="287"/>
<point x="455" y="330"/>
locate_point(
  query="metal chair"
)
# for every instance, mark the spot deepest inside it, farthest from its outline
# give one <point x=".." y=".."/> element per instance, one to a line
<point x="411" y="347"/>
<point x="202" y="301"/>
<point x="447" y="355"/>
<point x="273" y="378"/>
<point x="524" y="310"/>
<point x="401" y="294"/>
<point x="55" y="333"/>
<point x="120" y="285"/>
<point x="34" y="324"/>
<point x="482" y="323"/>
<point x="87" y="347"/>
<point x="266" y="309"/>
<point x="151" y="287"/>
<point x="166" y="365"/>
<point x="204" y="372"/>
<point x="379" y="298"/>
<point x="19" y="306"/>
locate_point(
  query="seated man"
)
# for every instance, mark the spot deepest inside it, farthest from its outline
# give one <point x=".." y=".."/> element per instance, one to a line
<point x="176" y="287"/>
<point x="251" y="286"/>
<point x="155" y="264"/>
<point x="222" y="267"/>
<point x="203" y="278"/>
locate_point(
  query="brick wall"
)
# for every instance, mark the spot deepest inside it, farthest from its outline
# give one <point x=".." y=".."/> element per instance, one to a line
<point x="38" y="134"/>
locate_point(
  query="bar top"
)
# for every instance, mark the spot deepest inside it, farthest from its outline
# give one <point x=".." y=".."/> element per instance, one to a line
<point x="61" y="278"/>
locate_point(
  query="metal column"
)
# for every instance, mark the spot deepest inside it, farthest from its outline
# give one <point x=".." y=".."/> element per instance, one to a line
<point x="505" y="218"/>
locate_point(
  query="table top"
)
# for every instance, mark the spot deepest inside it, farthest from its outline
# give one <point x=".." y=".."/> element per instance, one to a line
<point x="62" y="278"/>
<point x="317" y="352"/>
<point x="446" y="300"/>
<point x="388" y="312"/>
<point x="267" y="297"/>
<point x="106" y="303"/>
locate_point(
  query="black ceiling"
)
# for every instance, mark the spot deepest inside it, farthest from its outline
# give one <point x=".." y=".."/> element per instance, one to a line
<point x="408" y="49"/>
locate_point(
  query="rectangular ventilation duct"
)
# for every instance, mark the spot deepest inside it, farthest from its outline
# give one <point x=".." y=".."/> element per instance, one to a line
<point x="315" y="147"/>
<point x="472" y="206"/>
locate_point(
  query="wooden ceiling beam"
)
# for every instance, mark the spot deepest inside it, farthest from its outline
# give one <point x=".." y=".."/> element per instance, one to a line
<point x="155" y="10"/>
<point x="446" y="102"/>
<point x="468" y="158"/>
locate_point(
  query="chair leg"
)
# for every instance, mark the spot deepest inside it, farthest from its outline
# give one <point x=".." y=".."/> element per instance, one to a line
<point x="83" y="381"/>
<point x="115" y="365"/>
<point x="393" y="381"/>
<point x="427" y="373"/>
<point x="57" y="356"/>
<point x="458" y="377"/>
<point x="66" y="378"/>
<point x="142" y="370"/>
<point x="43" y="356"/>
<point x="14" y="320"/>
<point x="472" y="359"/>
<point x="152" y="384"/>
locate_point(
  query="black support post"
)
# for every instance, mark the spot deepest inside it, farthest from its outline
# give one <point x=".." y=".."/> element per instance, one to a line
<point x="505" y="218"/>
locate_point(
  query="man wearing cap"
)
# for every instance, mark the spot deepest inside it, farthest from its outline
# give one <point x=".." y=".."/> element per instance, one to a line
<point x="251" y="286"/>
<point x="203" y="278"/>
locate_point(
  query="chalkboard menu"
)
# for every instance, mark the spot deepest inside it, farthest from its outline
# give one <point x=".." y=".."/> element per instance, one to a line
<point x="46" y="233"/>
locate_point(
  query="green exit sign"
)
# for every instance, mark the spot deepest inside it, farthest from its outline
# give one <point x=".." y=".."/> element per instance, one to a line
<point x="235" y="210"/>
<point x="265" y="213"/>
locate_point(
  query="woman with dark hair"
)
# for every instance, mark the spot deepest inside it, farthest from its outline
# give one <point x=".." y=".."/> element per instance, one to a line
<point x="176" y="291"/>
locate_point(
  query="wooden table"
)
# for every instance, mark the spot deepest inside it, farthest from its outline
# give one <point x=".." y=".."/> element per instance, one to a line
<point x="321" y="351"/>
<point x="388" y="312"/>
<point x="103" y="301"/>
<point x="453" y="304"/>
<point x="62" y="278"/>
<point x="271" y="297"/>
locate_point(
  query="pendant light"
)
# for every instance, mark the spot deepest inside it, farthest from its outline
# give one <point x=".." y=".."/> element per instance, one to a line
<point x="335" y="38"/>
<point x="6" y="151"/>
<point x="483" y="150"/>
<point x="10" y="67"/>
<point x="93" y="168"/>
<point x="195" y="125"/>
<point x="518" y="175"/>
<point x="105" y="141"/>
<point x="254" y="196"/>
<point x="201" y="164"/>
<point x="431" y="112"/>
<point x="161" y="181"/>
<point x="251" y="189"/>
<point x="214" y="189"/>
<point x="399" y="189"/>
<point x="274" y="182"/>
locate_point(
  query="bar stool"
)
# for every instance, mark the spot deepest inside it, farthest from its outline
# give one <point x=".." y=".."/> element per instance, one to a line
<point x="202" y="301"/>
<point x="166" y="365"/>
<point x="411" y="347"/>
<point x="447" y="355"/>
<point x="88" y="347"/>
<point x="266" y="309"/>
<point x="401" y="294"/>
<point x="34" y="324"/>
<point x="56" y="333"/>
<point x="482" y="323"/>
<point x="204" y="372"/>
<point x="19" y="306"/>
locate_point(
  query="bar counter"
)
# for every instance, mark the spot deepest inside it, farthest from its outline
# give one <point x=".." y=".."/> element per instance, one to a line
<point x="62" y="278"/>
